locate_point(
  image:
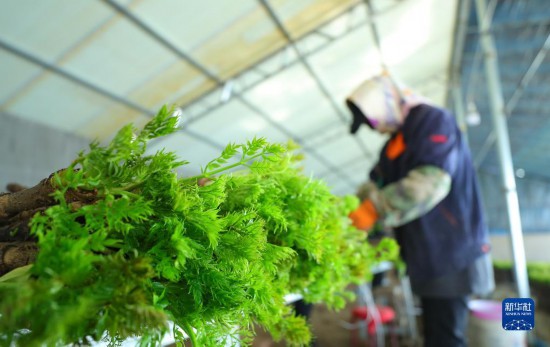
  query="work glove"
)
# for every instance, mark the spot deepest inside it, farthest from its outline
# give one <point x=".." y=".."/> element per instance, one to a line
<point x="365" y="216"/>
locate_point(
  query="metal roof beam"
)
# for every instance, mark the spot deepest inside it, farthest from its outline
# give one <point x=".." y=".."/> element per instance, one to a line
<point x="474" y="30"/>
<point x="284" y="62"/>
<point x="148" y="30"/>
<point x="195" y="111"/>
<point x="71" y="77"/>
<point x="308" y="149"/>
<point x="292" y="43"/>
<point x="324" y="90"/>
<point x="374" y="32"/>
<point x="284" y="65"/>
<point x="513" y="101"/>
<point x="472" y="78"/>
<point x="510" y="47"/>
<point x="88" y="85"/>
<point x="160" y="39"/>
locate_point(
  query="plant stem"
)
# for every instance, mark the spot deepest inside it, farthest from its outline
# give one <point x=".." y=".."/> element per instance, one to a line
<point x="124" y="190"/>
<point x="128" y="187"/>
<point x="224" y="168"/>
<point x="189" y="331"/>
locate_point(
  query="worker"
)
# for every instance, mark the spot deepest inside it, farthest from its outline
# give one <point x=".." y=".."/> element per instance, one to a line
<point x="424" y="186"/>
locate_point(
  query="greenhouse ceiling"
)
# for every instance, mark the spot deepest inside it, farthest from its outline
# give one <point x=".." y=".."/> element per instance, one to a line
<point x="279" y="69"/>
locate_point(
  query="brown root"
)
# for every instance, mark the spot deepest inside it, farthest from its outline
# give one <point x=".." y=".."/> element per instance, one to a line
<point x="15" y="187"/>
<point x="27" y="199"/>
<point x="16" y="254"/>
<point x="23" y="204"/>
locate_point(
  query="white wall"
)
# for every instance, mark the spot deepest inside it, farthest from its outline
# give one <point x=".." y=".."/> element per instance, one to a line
<point x="30" y="152"/>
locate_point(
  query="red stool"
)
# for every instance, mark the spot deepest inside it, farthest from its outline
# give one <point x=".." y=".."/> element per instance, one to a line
<point x="363" y="313"/>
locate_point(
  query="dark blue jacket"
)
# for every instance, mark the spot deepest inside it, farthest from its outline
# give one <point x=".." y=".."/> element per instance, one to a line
<point x="453" y="234"/>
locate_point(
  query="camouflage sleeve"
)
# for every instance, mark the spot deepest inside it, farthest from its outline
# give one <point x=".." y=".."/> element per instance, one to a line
<point x="365" y="190"/>
<point x="412" y="196"/>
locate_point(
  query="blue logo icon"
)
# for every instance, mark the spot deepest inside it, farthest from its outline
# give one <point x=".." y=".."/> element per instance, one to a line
<point x="518" y="314"/>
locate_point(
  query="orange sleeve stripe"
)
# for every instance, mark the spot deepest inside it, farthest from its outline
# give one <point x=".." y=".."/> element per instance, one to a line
<point x="396" y="147"/>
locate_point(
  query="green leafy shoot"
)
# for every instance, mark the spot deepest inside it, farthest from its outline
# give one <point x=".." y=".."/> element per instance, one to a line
<point x="131" y="246"/>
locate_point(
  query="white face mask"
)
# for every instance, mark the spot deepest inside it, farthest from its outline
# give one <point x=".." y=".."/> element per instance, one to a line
<point x="381" y="104"/>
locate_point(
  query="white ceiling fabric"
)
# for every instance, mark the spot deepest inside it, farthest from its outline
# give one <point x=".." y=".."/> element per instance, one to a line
<point x="269" y="91"/>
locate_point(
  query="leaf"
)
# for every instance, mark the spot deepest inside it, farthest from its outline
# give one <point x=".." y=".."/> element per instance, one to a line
<point x="20" y="274"/>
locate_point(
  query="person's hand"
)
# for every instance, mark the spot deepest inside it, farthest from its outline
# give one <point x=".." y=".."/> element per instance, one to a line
<point x="364" y="216"/>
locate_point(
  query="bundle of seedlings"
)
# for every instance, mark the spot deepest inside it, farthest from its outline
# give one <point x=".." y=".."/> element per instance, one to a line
<point x="118" y="245"/>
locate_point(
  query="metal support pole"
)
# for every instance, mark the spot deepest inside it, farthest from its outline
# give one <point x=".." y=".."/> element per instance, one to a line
<point x="463" y="10"/>
<point x="503" y="147"/>
<point x="458" y="102"/>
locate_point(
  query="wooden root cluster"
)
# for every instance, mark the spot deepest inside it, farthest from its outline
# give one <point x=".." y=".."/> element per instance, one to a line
<point x="17" y="207"/>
